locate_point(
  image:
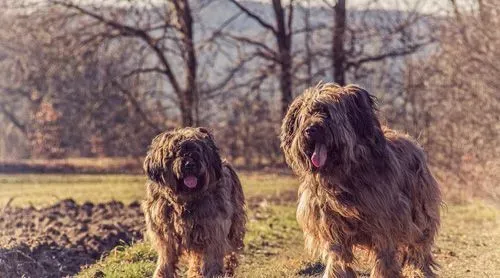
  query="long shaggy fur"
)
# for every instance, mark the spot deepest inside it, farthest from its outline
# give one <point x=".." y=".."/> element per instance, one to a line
<point x="367" y="186"/>
<point x="207" y="222"/>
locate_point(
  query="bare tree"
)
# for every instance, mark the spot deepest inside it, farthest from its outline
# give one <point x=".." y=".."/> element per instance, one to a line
<point x="368" y="35"/>
<point x="166" y="31"/>
<point x="308" y="31"/>
<point x="281" y="53"/>
<point x="338" y="41"/>
<point x="453" y="98"/>
<point x="49" y="90"/>
<point x="250" y="132"/>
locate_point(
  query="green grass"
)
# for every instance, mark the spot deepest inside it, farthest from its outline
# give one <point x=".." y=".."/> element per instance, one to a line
<point x="124" y="261"/>
<point x="466" y="247"/>
<point x="39" y="190"/>
<point x="273" y="248"/>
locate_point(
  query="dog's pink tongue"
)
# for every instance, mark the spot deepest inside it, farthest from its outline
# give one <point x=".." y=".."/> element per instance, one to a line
<point x="318" y="158"/>
<point x="190" y="181"/>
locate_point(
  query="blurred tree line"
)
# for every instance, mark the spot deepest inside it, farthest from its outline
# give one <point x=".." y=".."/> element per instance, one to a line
<point x="101" y="78"/>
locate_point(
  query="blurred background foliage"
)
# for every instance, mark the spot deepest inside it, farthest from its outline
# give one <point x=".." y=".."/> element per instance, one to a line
<point x="99" y="79"/>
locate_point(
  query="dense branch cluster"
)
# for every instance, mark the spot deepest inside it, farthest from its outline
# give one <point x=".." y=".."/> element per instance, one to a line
<point x="116" y="74"/>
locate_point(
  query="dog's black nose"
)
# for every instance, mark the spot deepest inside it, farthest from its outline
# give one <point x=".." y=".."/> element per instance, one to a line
<point x="312" y="131"/>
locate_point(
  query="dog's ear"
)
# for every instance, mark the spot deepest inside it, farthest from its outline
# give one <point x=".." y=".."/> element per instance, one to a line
<point x="289" y="125"/>
<point x="217" y="166"/>
<point x="361" y="112"/>
<point x="157" y="157"/>
<point x="213" y="154"/>
<point x="205" y="131"/>
<point x="213" y="159"/>
<point x="210" y="138"/>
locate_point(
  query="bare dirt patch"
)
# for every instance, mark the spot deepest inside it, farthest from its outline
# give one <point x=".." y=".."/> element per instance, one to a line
<point x="56" y="241"/>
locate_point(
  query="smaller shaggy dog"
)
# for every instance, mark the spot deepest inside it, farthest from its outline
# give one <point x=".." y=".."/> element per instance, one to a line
<point x="194" y="205"/>
<point x="362" y="185"/>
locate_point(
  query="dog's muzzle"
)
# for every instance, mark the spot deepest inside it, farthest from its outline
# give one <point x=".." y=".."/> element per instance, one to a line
<point x="314" y="135"/>
<point x="191" y="174"/>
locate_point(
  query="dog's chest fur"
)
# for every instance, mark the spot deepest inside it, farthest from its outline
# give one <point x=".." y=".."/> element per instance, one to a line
<point x="200" y="220"/>
<point x="317" y="209"/>
<point x="329" y="212"/>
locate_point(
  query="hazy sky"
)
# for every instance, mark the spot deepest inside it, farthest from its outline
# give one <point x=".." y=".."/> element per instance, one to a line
<point x="428" y="6"/>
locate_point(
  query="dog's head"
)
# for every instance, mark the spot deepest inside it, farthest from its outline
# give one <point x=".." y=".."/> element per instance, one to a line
<point x="331" y="126"/>
<point x="186" y="161"/>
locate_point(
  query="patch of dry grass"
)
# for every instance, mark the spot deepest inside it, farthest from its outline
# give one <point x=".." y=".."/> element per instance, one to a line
<point x="466" y="247"/>
<point x="39" y="190"/>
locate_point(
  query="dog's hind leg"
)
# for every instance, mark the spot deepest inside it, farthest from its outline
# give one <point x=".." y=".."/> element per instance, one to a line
<point x="231" y="262"/>
<point x="421" y="260"/>
<point x="237" y="229"/>
<point x="339" y="260"/>
<point x="386" y="264"/>
<point x="235" y="240"/>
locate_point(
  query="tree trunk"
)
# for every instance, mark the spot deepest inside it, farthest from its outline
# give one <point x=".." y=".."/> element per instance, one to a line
<point x="307" y="41"/>
<point x="285" y="83"/>
<point x="186" y="114"/>
<point x="338" y="53"/>
<point x="190" y="94"/>
<point x="282" y="57"/>
<point x="284" y="39"/>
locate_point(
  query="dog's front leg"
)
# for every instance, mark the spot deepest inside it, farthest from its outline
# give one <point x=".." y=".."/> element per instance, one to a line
<point x="339" y="259"/>
<point x="168" y="257"/>
<point x="212" y="264"/>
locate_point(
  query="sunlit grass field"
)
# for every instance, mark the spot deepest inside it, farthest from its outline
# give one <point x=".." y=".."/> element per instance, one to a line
<point x="39" y="190"/>
<point x="467" y="245"/>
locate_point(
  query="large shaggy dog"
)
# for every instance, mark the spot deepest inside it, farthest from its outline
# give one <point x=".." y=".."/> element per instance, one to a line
<point x="362" y="184"/>
<point x="194" y="204"/>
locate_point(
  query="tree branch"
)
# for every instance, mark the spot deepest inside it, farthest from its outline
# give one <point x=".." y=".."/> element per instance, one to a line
<point x="254" y="16"/>
<point x="290" y="18"/>
<point x="394" y="53"/>
<point x="144" y="70"/>
<point x="229" y="76"/>
<point x="137" y="106"/>
<point x="13" y="119"/>
<point x="127" y="30"/>
<point x="254" y="43"/>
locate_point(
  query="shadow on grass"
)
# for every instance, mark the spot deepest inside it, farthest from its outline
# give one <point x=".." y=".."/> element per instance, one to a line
<point x="312" y="270"/>
<point x="316" y="270"/>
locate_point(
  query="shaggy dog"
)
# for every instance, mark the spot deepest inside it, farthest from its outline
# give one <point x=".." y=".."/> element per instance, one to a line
<point x="362" y="185"/>
<point x="194" y="204"/>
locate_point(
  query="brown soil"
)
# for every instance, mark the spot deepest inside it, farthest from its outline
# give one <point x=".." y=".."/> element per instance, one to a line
<point x="56" y="241"/>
